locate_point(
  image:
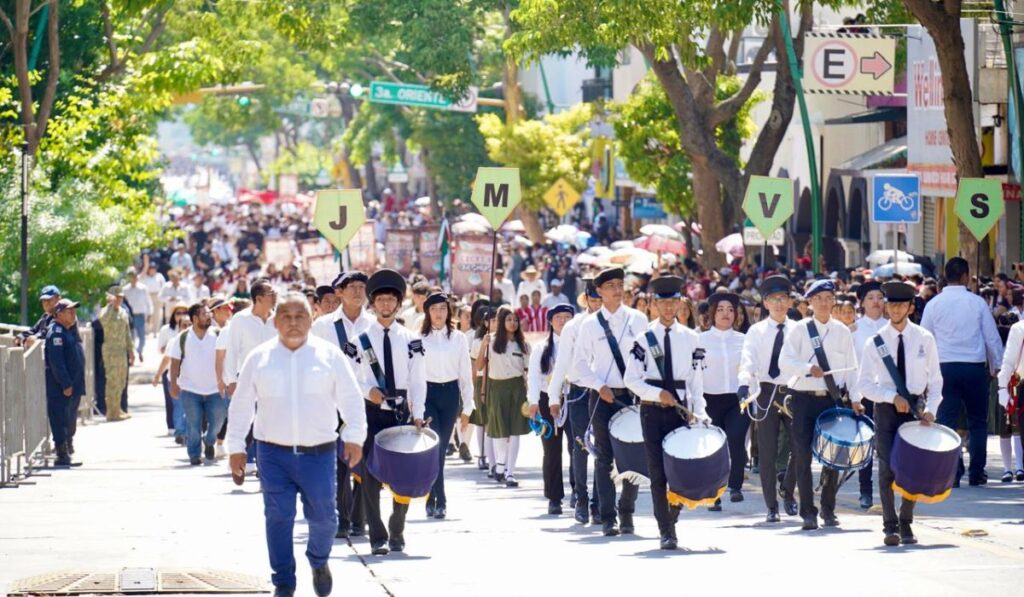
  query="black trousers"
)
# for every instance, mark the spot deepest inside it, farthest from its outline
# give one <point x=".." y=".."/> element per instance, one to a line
<point x="864" y="474"/>
<point x="604" y="459"/>
<point x="806" y="408"/>
<point x="62" y="413"/>
<point x="554" y="485"/>
<point x="887" y="421"/>
<point x="443" y="406"/>
<point x="350" y="503"/>
<point x="578" y="420"/>
<point x="724" y="410"/>
<point x="378" y="420"/>
<point x="657" y="422"/>
<point x="769" y="430"/>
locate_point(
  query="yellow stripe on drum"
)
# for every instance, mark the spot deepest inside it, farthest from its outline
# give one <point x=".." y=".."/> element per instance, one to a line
<point x="920" y="497"/>
<point x="674" y="499"/>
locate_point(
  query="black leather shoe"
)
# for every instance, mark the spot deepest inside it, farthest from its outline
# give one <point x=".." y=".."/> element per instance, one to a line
<point x="357" y="530"/>
<point x="554" y="507"/>
<point x="773" y="516"/>
<point x="717" y="507"/>
<point x="582" y="516"/>
<point x="891" y="539"/>
<point x="284" y="591"/>
<point x="595" y="515"/>
<point x="490" y="473"/>
<point x="830" y="520"/>
<point x="430" y="510"/>
<point x="626" y="523"/>
<point x="789" y="505"/>
<point x="322" y="581"/>
<point x="572" y="500"/>
<point x="208" y="452"/>
<point x="396" y="545"/>
<point x="668" y="542"/>
<point x="440" y="513"/>
<point x="464" y="453"/>
<point x="609" y="529"/>
<point x="907" y="534"/>
<point x="865" y="501"/>
<point x="735" y="495"/>
<point x="810" y="523"/>
<point x="179" y="440"/>
<point x="956" y="483"/>
<point x="195" y="461"/>
<point x="379" y="549"/>
<point x="343" y="532"/>
<point x="977" y="481"/>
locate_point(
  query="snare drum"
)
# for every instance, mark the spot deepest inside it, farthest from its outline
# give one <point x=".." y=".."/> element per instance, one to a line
<point x="696" y="465"/>
<point x="924" y="461"/>
<point x="407" y="460"/>
<point x="627" y="437"/>
<point x="842" y="440"/>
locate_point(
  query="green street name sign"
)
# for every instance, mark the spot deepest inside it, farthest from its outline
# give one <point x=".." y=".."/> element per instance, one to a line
<point x="979" y="204"/>
<point x="419" y="96"/>
<point x="768" y="203"/>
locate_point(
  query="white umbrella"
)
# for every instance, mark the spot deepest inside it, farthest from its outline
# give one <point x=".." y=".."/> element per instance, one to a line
<point x="731" y="245"/>
<point x="661" y="230"/>
<point x="598" y="250"/>
<point x="621" y="244"/>
<point x="903" y="268"/>
<point x="514" y="226"/>
<point x="422" y="202"/>
<point x="630" y="254"/>
<point x="522" y="240"/>
<point x="476" y="219"/>
<point x="881" y="256"/>
<point x="469" y="228"/>
<point x="564" y="233"/>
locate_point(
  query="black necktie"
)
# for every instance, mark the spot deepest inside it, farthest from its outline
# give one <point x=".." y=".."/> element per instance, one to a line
<point x="669" y="376"/>
<point x="901" y="360"/>
<point x="773" y="365"/>
<point x="389" y="365"/>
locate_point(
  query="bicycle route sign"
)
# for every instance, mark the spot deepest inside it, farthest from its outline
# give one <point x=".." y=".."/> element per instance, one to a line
<point x="896" y="199"/>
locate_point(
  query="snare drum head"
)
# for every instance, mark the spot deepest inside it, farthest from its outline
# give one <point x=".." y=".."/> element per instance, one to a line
<point x="625" y="425"/>
<point x="406" y="439"/>
<point x="843" y="426"/>
<point x="694" y="443"/>
<point x="934" y="437"/>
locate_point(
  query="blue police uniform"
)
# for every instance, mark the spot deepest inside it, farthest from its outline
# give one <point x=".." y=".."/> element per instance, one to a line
<point x="65" y="368"/>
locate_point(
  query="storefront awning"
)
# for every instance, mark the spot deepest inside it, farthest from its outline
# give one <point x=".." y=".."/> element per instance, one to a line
<point x="871" y="116"/>
<point x="890" y="155"/>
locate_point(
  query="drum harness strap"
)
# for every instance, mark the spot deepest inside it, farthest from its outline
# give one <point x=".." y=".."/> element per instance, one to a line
<point x="378" y="374"/>
<point x="659" y="361"/>
<point x="613" y="345"/>
<point x="894" y="373"/>
<point x="819" y="353"/>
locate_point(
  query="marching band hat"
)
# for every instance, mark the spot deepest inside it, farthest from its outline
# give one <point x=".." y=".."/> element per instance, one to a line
<point x="560" y="308"/>
<point x="866" y="287"/>
<point x="776" y="284"/>
<point x="435" y="299"/>
<point x="724" y="295"/>
<point x="898" y="292"/>
<point x="819" y="287"/>
<point x="344" y="278"/>
<point x="385" y="279"/>
<point x="609" y="274"/>
<point x="323" y="290"/>
<point x="667" y="287"/>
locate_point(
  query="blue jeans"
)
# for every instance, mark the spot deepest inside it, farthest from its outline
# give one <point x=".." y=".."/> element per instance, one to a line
<point x="196" y="405"/>
<point x="282" y="476"/>
<point x="175" y="410"/>
<point x="443" y="402"/>
<point x="139" y="325"/>
<point x="965" y="385"/>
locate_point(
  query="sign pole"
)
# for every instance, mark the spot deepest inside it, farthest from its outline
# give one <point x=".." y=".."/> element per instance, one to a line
<point x="764" y="257"/>
<point x="896" y="252"/>
<point x="494" y="268"/>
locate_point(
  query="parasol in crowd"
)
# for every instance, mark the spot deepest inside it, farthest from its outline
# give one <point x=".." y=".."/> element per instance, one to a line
<point x="661" y="231"/>
<point x="660" y="244"/>
<point x="881" y="256"/>
<point x="731" y="245"/>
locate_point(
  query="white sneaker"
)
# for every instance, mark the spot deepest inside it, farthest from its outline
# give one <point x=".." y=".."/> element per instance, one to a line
<point x="219" y="451"/>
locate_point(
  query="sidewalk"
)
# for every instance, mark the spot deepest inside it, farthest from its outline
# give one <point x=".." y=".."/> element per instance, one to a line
<point x="137" y="503"/>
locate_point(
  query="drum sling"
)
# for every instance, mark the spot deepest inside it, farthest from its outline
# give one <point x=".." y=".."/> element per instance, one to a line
<point x="819" y="353"/>
<point x="894" y="373"/>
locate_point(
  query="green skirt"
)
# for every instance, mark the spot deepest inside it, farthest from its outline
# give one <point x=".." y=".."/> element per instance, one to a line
<point x="479" y="416"/>
<point x="505" y="400"/>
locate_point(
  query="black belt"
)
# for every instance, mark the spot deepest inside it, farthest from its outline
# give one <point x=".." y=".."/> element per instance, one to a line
<point x="312" y="450"/>
<point x="438" y="384"/>
<point x="675" y="384"/>
<point x="620" y="392"/>
<point x="811" y="393"/>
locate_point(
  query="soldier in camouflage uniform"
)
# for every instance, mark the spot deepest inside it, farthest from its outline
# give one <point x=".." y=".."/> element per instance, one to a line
<point x="118" y="352"/>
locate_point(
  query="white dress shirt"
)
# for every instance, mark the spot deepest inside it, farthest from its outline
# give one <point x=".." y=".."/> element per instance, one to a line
<point x="200" y="292"/>
<point x="684" y="368"/>
<point x="197" y="373"/>
<point x="449" y="361"/>
<point x="595" y="366"/>
<point x="536" y="381"/>
<point x="509" y="364"/>
<point x="508" y="291"/>
<point x="137" y="297"/>
<point x="756" y="357"/>
<point x="526" y="288"/>
<point x="555" y="299"/>
<point x="722" y="352"/>
<point x="324" y="328"/>
<point x="954" y="317"/>
<point x="154" y="284"/>
<point x="410" y="367"/>
<point x="922" y="365"/>
<point x="247" y="332"/>
<point x="798" y="355"/>
<point x="563" y="364"/>
<point x="299" y="393"/>
<point x="175" y="294"/>
<point x="864" y="330"/>
<point x="164" y="336"/>
<point x="1011" y="361"/>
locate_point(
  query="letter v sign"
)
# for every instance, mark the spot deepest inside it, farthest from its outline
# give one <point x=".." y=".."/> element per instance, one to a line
<point x="768" y="203"/>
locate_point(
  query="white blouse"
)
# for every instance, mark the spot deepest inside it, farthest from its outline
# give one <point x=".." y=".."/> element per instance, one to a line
<point x="537" y="381"/>
<point x="448" y="360"/>
<point x="722" y="351"/>
<point x="508" y="365"/>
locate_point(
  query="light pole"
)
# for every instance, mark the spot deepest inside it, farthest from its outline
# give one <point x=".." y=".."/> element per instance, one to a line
<point x="24" y="233"/>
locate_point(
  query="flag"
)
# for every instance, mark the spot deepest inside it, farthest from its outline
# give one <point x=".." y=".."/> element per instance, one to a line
<point x="444" y="248"/>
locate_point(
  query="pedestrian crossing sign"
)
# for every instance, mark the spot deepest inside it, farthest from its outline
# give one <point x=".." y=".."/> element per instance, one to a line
<point x="561" y="197"/>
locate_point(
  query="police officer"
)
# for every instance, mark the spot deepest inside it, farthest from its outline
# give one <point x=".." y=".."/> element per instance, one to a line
<point x="48" y="297"/>
<point x="919" y="389"/>
<point x="118" y="352"/>
<point x="65" y="377"/>
<point x="662" y="373"/>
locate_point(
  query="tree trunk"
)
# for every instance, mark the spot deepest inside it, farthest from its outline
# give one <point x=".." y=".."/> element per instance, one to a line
<point x="347" y="114"/>
<point x="709" y="212"/>
<point x="372" y="188"/>
<point x="534" y="231"/>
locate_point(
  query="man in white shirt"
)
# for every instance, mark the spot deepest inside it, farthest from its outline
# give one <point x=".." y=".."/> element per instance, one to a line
<point x="137" y="296"/>
<point x="815" y="388"/>
<point x="761" y="371"/>
<point x="199" y="288"/>
<point x="194" y="382"/>
<point x="918" y="389"/>
<point x="600" y="365"/>
<point x="531" y="281"/>
<point x="507" y="288"/>
<point x="556" y="297"/>
<point x="392" y="376"/>
<point x="154" y="281"/>
<point x="301" y="385"/>
<point x="869" y="295"/>
<point x="955" y="317"/>
<point x="662" y="374"/>
<point x="181" y="260"/>
<point x="576" y="402"/>
<point x="174" y="291"/>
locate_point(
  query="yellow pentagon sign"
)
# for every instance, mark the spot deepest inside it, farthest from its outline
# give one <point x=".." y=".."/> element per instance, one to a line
<point x="496" y="193"/>
<point x="338" y="215"/>
<point x="561" y="197"/>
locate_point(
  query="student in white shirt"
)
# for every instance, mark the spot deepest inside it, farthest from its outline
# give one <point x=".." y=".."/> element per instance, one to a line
<point x="542" y="364"/>
<point x="137" y="296"/>
<point x="504" y="357"/>
<point x="301" y="384"/>
<point x="869" y="296"/>
<point x="723" y="347"/>
<point x="221" y="309"/>
<point x="194" y="382"/>
<point x="1013" y="366"/>
<point x="154" y="281"/>
<point x="449" y="385"/>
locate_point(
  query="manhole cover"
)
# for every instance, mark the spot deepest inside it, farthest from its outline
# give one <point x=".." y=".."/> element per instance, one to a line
<point x="138" y="581"/>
